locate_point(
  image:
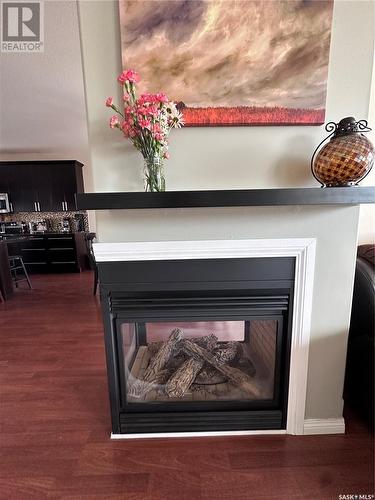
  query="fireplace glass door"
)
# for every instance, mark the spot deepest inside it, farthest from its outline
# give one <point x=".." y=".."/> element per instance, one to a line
<point x="201" y="361"/>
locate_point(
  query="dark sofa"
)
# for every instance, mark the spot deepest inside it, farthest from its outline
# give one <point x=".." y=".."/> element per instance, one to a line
<point x="359" y="377"/>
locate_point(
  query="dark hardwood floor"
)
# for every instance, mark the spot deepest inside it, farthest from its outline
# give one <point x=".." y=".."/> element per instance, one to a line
<point x="55" y="424"/>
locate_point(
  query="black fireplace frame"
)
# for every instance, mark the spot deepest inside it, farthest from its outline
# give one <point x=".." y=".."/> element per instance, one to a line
<point x="165" y="290"/>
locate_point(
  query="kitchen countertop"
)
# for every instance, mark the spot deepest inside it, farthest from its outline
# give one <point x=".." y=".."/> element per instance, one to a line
<point x="16" y="238"/>
<point x="10" y="238"/>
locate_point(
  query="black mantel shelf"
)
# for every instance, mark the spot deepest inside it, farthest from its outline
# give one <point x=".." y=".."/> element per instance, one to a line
<point x="227" y="198"/>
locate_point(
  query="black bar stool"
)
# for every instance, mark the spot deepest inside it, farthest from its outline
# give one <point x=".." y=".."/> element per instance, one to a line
<point x="18" y="270"/>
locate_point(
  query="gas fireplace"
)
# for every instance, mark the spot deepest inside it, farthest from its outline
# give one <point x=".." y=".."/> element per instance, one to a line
<point x="198" y="344"/>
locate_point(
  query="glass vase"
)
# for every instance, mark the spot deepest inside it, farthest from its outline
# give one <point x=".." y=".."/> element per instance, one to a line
<point x="154" y="180"/>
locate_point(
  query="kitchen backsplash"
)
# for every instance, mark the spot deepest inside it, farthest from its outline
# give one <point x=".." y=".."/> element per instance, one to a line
<point x="55" y="218"/>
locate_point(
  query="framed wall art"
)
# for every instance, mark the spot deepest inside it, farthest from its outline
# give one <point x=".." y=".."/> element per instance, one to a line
<point x="232" y="62"/>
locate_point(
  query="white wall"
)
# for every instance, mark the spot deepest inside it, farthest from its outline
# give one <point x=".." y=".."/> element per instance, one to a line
<point x="42" y="100"/>
<point x="226" y="157"/>
<point x="237" y="157"/>
<point x="366" y="230"/>
<point x="42" y="110"/>
<point x="240" y="157"/>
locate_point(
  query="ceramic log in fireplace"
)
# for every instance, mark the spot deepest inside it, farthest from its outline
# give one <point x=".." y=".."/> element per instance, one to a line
<point x="197" y="344"/>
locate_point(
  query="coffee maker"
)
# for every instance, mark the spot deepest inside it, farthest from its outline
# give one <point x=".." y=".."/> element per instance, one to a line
<point x="66" y="225"/>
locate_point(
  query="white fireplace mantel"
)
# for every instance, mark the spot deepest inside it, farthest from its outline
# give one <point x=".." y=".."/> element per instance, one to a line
<point x="200" y="249"/>
<point x="303" y="249"/>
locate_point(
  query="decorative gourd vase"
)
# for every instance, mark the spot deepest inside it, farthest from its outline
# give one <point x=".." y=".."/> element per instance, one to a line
<point x="154" y="180"/>
<point x="347" y="158"/>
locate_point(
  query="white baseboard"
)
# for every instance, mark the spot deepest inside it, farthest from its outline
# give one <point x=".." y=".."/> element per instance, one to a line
<point x="153" y="435"/>
<point x="324" y="426"/>
<point x="310" y="427"/>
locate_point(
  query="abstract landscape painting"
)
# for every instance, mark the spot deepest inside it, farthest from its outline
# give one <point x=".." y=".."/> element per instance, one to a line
<point x="232" y="62"/>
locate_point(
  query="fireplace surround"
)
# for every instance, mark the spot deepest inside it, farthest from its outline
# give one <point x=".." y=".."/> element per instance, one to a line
<point x="174" y="311"/>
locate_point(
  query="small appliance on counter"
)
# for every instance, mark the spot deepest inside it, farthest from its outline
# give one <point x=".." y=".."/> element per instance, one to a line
<point x="13" y="227"/>
<point x="42" y="226"/>
<point x="5" y="206"/>
<point x="65" y="225"/>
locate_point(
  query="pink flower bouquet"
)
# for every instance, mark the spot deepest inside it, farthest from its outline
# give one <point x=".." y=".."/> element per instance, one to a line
<point x="146" y="121"/>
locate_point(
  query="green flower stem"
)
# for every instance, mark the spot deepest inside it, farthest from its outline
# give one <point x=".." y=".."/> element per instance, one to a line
<point x="117" y="110"/>
<point x="154" y="176"/>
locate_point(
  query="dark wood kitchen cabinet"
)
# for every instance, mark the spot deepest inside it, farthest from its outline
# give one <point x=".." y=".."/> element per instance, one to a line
<point x="41" y="186"/>
<point x="67" y="182"/>
<point x="51" y="253"/>
<point x="19" y="192"/>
